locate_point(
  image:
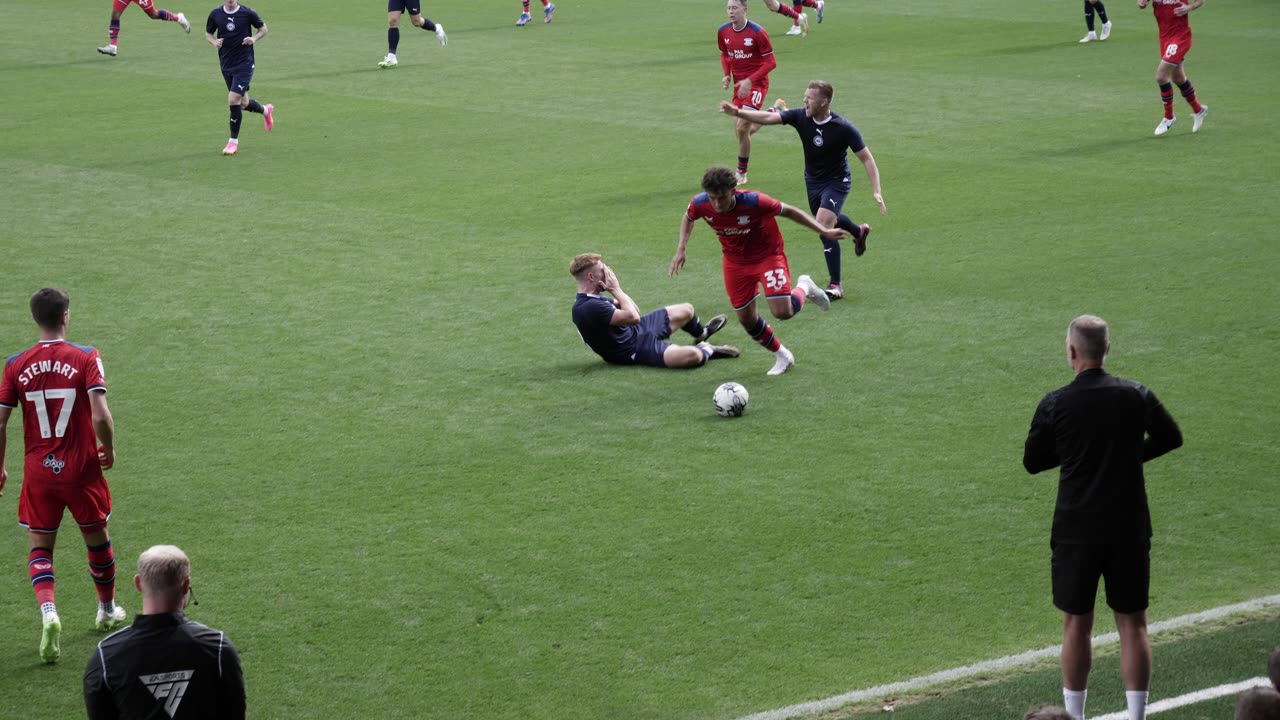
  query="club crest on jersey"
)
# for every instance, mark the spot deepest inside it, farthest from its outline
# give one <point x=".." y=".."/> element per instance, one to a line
<point x="748" y="41"/>
<point x="231" y="25"/>
<point x="742" y="220"/>
<point x="169" y="687"/>
<point x="54" y="463"/>
<point x="817" y="141"/>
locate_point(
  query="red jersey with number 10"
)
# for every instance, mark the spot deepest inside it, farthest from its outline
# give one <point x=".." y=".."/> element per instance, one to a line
<point x="744" y="49"/>
<point x="52" y="382"/>
<point x="748" y="231"/>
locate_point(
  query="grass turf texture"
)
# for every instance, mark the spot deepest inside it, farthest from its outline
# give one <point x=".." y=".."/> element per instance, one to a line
<point x="345" y="379"/>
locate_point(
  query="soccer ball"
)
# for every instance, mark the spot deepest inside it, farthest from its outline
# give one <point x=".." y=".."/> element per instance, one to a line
<point x="730" y="399"/>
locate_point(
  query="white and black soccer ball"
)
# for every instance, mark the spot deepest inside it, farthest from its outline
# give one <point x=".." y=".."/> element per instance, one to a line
<point x="730" y="399"/>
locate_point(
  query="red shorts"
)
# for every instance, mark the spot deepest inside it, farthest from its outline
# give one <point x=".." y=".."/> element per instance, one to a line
<point x="743" y="280"/>
<point x="148" y="6"/>
<point x="754" y="99"/>
<point x="40" y="504"/>
<point x="1173" y="48"/>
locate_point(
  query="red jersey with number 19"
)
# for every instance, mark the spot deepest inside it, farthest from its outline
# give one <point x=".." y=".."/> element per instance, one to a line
<point x="748" y="231"/>
<point x="745" y="50"/>
<point x="52" y="381"/>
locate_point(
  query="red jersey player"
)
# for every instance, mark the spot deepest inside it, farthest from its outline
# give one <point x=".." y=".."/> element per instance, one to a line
<point x="747" y="226"/>
<point x="149" y="7"/>
<point x="69" y="438"/>
<point x="747" y="57"/>
<point x="1175" y="41"/>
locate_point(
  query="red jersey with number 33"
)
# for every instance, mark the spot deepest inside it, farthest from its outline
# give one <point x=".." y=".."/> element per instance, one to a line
<point x="745" y="48"/>
<point x="749" y="231"/>
<point x="52" y="382"/>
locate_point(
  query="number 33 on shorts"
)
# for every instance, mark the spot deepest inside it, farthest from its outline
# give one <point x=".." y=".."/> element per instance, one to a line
<point x="775" y="279"/>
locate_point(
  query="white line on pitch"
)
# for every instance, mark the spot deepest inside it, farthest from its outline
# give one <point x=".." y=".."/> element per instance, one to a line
<point x="1008" y="662"/>
<point x="1192" y="698"/>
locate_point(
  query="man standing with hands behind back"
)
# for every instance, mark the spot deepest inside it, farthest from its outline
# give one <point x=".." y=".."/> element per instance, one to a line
<point x="1100" y="429"/>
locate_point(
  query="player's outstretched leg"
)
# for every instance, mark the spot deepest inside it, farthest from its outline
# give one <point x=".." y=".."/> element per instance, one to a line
<point x="813" y="292"/>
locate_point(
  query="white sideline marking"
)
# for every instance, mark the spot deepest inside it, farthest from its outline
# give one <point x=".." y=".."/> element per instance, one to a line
<point x="1192" y="698"/>
<point x="814" y="707"/>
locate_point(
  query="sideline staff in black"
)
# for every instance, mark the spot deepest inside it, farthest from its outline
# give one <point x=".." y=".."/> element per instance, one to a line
<point x="163" y="665"/>
<point x="1100" y="429"/>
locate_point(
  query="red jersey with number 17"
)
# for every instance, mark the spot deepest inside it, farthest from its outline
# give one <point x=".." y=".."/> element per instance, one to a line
<point x="748" y="231"/>
<point x="52" y="382"/>
<point x="744" y="49"/>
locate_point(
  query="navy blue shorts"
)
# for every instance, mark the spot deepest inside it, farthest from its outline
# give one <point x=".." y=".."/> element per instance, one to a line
<point x="655" y="328"/>
<point x="1126" y="568"/>
<point x="413" y="7"/>
<point x="830" y="194"/>
<point x="238" y="79"/>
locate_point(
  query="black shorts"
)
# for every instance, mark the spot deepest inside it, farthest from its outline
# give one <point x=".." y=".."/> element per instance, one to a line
<point x="238" y="79"/>
<point x="655" y="328"/>
<point x="829" y="194"/>
<point x="413" y="7"/>
<point x="1126" y="568"/>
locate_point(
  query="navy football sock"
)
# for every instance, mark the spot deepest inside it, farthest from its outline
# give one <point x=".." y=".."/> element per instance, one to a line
<point x="694" y="327"/>
<point x="236" y="114"/>
<point x="428" y="25"/>
<point x="393" y="40"/>
<point x="831" y="253"/>
<point x="1102" y="11"/>
<point x="1088" y="15"/>
<point x="255" y="106"/>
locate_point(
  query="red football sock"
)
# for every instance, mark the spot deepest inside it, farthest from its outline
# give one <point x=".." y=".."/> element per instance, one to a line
<point x="40" y="567"/>
<point x="784" y="9"/>
<point x="1166" y="97"/>
<point x="1189" y="94"/>
<point x="102" y="566"/>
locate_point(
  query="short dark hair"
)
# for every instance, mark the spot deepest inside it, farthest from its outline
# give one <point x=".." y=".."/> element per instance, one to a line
<point x="718" y="179"/>
<point x="1273" y="669"/>
<point x="48" y="306"/>
<point x="1047" y="712"/>
<point x="1258" y="703"/>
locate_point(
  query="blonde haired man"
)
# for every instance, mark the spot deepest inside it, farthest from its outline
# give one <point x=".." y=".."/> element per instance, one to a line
<point x="164" y="664"/>
<point x="616" y="331"/>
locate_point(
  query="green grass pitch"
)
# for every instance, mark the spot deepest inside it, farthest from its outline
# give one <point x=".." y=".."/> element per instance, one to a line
<point x="345" y="378"/>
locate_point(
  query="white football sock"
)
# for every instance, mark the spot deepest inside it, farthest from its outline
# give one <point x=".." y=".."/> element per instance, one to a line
<point x="1137" y="700"/>
<point x="1074" y="700"/>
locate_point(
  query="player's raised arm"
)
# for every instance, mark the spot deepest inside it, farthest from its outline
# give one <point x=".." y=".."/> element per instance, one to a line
<point x="627" y="313"/>
<point x="800" y="217"/>
<point x="759" y="117"/>
<point x="677" y="262"/>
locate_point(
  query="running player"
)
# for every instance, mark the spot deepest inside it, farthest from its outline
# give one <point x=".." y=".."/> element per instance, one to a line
<point x="233" y="22"/>
<point x="548" y="9"/>
<point x="149" y="7"/>
<point x="394" y="9"/>
<point x="826" y="138"/>
<point x="746" y="55"/>
<point x="751" y="243"/>
<point x="1175" y="42"/>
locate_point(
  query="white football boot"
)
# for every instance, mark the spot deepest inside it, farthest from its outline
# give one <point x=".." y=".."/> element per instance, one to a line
<point x="784" y="362"/>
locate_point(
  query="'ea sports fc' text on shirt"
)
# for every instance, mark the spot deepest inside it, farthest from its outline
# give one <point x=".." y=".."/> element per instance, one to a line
<point x="233" y="28"/>
<point x="748" y="231"/>
<point x="746" y="54"/>
<point x="825" y="144"/>
<point x="52" y="382"/>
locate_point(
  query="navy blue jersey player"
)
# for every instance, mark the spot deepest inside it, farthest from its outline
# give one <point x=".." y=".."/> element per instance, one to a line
<point x="395" y="8"/>
<point x="827" y="138"/>
<point x="616" y="331"/>
<point x="230" y="28"/>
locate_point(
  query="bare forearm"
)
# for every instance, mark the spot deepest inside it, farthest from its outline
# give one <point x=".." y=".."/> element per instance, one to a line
<point x="800" y="217"/>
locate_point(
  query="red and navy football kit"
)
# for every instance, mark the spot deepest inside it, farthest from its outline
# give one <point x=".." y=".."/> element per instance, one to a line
<point x="751" y="243"/>
<point x="747" y="54"/>
<point x="1175" y="31"/>
<point x="52" y="382"/>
